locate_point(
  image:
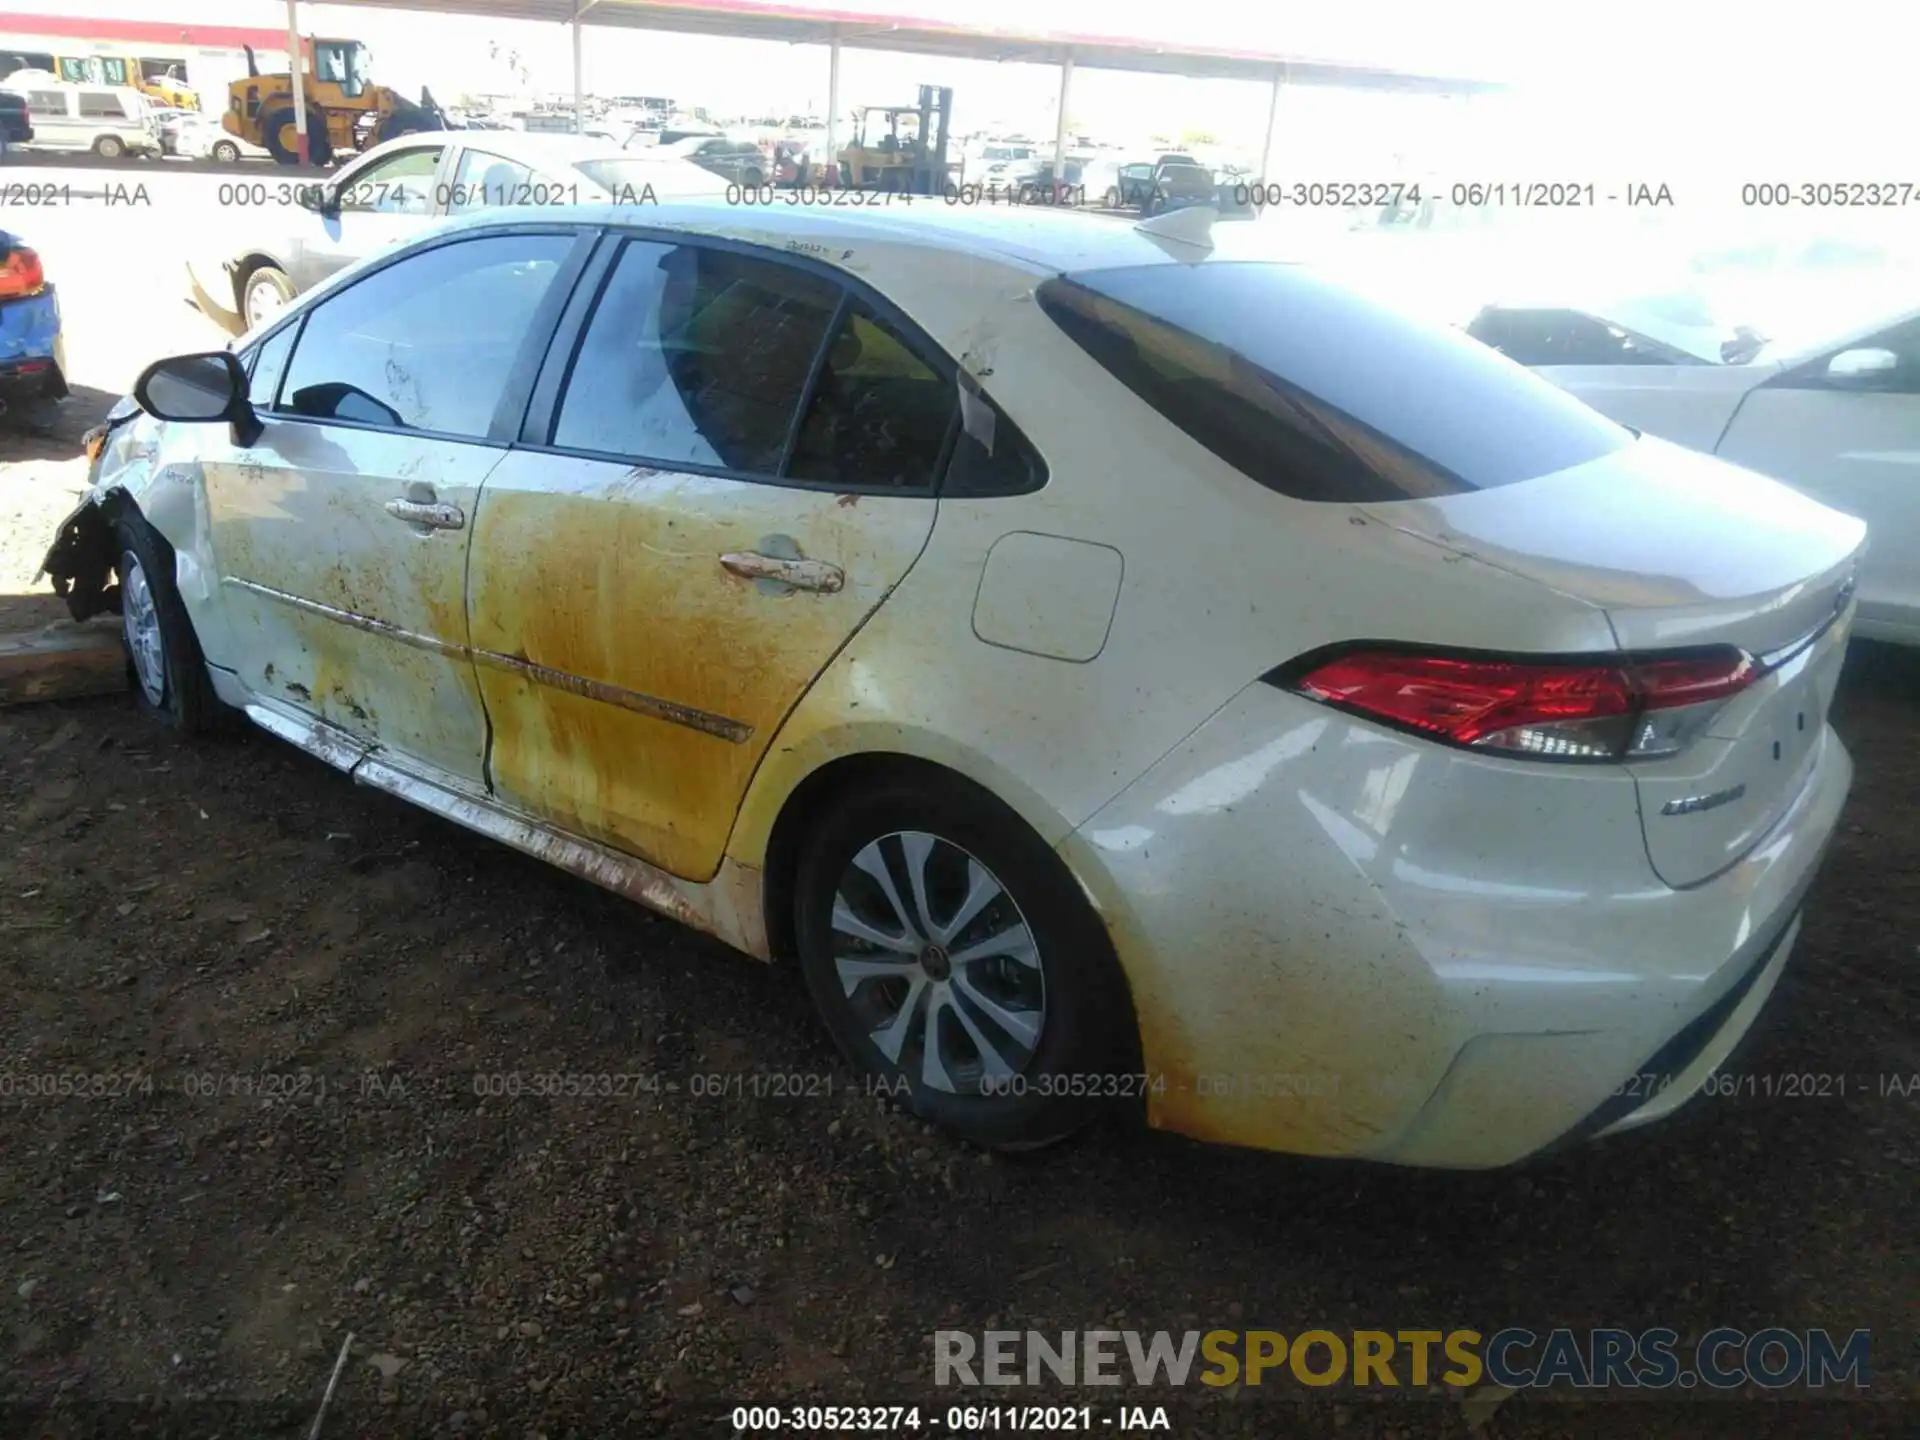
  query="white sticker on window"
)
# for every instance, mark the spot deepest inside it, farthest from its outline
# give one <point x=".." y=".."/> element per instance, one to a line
<point x="976" y="415"/>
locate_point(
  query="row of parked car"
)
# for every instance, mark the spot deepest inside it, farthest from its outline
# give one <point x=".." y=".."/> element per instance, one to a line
<point x="41" y="110"/>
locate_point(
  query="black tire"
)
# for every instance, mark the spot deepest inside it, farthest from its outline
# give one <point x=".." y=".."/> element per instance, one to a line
<point x="1086" y="1038"/>
<point x="226" y="152"/>
<point x="174" y="685"/>
<point x="319" y="150"/>
<point x="109" y="147"/>
<point x="265" y="277"/>
<point x="403" y="122"/>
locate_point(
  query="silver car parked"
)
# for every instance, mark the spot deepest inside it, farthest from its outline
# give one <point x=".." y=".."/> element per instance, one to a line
<point x="399" y="189"/>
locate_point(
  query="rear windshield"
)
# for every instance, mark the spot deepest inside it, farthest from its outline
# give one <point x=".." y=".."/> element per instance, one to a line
<point x="1318" y="392"/>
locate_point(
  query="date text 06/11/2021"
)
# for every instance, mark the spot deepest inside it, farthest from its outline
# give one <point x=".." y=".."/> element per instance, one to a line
<point x="748" y="1420"/>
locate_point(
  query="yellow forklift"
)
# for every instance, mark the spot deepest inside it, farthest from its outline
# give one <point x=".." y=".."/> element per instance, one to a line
<point x="346" y="111"/>
<point x="902" y="148"/>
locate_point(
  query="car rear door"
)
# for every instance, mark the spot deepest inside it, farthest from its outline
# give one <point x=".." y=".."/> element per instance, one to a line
<point x="340" y="535"/>
<point x="707" y="502"/>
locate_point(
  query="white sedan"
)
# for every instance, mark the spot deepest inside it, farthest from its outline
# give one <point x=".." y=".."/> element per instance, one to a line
<point x="1351" y="744"/>
<point x="1835" y="414"/>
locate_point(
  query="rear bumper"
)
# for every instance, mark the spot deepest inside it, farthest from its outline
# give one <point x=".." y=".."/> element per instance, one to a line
<point x="1595" y="1082"/>
<point x="33" y="358"/>
<point x="1343" y="941"/>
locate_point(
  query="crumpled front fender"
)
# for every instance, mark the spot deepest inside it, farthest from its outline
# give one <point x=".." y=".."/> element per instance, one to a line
<point x="80" y="560"/>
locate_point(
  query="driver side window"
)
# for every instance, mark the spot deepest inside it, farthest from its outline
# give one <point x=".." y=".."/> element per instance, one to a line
<point x="398" y="185"/>
<point x="427" y="343"/>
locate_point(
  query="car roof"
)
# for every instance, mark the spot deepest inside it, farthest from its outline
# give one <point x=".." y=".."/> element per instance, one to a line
<point x="1036" y="239"/>
<point x="534" y="148"/>
<point x="551" y="156"/>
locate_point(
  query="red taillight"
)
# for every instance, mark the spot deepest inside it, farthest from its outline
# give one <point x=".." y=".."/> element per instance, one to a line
<point x="1547" y="709"/>
<point x="20" y="274"/>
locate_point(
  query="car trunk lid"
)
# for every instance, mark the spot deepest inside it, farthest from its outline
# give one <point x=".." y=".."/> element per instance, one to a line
<point x="1681" y="550"/>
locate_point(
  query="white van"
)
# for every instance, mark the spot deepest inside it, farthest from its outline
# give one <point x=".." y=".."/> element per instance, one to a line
<point x="109" y="120"/>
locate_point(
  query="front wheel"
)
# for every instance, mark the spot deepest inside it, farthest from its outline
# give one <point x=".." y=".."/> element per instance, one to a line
<point x="959" y="968"/>
<point x="109" y="147"/>
<point x="265" y="294"/>
<point x="281" y="135"/>
<point x="163" y="655"/>
<point x="226" y="152"/>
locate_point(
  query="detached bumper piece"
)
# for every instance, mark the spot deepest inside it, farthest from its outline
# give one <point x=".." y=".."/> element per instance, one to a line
<point x="80" y="562"/>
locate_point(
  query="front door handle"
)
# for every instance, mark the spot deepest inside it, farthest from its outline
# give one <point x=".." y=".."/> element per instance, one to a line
<point x="799" y="573"/>
<point x="428" y="514"/>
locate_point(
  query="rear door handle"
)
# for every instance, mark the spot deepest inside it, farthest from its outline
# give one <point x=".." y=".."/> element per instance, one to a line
<point x="428" y="514"/>
<point x="781" y="570"/>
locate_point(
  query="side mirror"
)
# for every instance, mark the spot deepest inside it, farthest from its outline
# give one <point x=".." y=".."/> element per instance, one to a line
<point x="196" y="389"/>
<point x="1854" y="367"/>
<point x="314" y="198"/>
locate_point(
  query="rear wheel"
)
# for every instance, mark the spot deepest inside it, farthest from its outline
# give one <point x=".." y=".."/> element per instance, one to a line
<point x="956" y="963"/>
<point x="226" y="152"/>
<point x="163" y="655"/>
<point x="109" y="147"/>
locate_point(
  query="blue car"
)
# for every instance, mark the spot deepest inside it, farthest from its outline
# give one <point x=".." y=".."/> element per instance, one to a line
<point x="33" y="357"/>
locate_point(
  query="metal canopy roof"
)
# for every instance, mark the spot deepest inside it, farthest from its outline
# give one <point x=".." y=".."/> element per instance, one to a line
<point x="799" y="25"/>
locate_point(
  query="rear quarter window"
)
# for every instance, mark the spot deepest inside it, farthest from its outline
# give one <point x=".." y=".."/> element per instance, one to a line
<point x="1318" y="392"/>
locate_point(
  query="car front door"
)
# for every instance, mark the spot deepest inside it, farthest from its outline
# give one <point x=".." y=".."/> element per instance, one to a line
<point x="1844" y="427"/>
<point x="728" y="464"/>
<point x="340" y="536"/>
<point x="386" y="198"/>
<point x="1689" y="404"/>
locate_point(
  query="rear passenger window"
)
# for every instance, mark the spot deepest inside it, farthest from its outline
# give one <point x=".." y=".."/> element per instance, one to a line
<point x="879" y="415"/>
<point x="695" y="356"/>
<point x="484" y="180"/>
<point x="101" y="105"/>
<point x="428" y="342"/>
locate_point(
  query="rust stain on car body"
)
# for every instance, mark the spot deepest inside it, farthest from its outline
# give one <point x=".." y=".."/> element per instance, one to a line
<point x="654" y="678"/>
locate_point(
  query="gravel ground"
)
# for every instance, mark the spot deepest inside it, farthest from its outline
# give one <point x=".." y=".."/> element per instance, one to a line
<point x="301" y="985"/>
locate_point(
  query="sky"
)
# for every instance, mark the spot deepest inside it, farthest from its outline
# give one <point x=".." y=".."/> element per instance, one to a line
<point x="1629" y="86"/>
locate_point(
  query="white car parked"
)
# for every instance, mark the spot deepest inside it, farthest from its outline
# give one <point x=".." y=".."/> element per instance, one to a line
<point x="109" y="120"/>
<point x="1836" y="417"/>
<point x="201" y="137"/>
<point x="1349" y="744"/>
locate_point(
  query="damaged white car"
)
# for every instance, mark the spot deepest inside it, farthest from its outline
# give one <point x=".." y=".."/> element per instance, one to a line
<point x="1352" y="744"/>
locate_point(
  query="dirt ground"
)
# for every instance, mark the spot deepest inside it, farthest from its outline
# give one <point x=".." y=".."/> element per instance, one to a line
<point x="289" y="993"/>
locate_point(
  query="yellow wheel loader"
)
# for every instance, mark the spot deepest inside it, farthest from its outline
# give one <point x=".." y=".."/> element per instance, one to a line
<point x="346" y="111"/>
